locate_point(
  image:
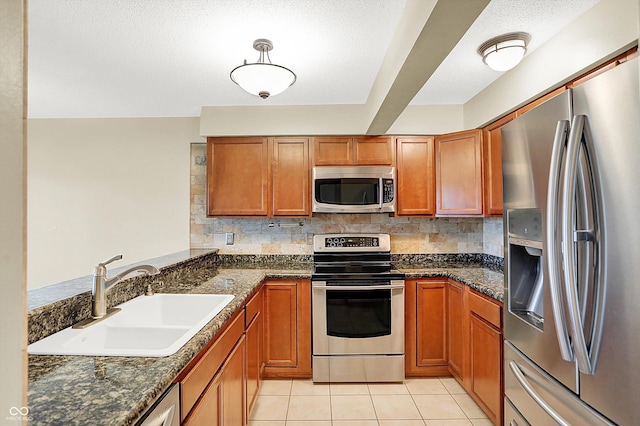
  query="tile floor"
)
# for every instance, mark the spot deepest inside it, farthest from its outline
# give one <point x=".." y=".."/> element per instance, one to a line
<point x="416" y="402"/>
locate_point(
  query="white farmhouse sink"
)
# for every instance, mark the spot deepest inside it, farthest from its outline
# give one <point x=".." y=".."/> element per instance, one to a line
<point x="149" y="326"/>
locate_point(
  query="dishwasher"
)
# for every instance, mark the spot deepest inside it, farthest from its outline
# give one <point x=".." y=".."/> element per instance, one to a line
<point x="165" y="411"/>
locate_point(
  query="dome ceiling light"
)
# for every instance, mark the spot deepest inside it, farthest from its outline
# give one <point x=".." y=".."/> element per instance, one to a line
<point x="504" y="52"/>
<point x="262" y="78"/>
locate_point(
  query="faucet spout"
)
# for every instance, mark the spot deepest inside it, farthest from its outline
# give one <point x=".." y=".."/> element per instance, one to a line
<point x="101" y="284"/>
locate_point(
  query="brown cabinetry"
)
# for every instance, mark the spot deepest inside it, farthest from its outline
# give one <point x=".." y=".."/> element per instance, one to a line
<point x="233" y="398"/>
<point x="459" y="173"/>
<point x="257" y="176"/>
<point x="416" y="176"/>
<point x="290" y="177"/>
<point x="237" y="176"/>
<point x="426" y="327"/>
<point x="492" y="152"/>
<point x="254" y="341"/>
<point x="457" y="319"/>
<point x="287" y="307"/>
<point x="348" y="150"/>
<point x="485" y="353"/>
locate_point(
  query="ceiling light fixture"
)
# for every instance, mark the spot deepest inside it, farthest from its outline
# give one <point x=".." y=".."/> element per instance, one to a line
<point x="262" y="78"/>
<point x="504" y="52"/>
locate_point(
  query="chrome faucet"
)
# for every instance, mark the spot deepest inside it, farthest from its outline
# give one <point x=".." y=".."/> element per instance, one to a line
<point x="101" y="284"/>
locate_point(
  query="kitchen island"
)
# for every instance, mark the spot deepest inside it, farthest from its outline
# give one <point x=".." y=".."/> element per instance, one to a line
<point x="84" y="390"/>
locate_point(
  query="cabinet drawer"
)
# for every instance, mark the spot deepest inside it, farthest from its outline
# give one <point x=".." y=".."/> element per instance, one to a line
<point x="201" y="374"/>
<point x="485" y="309"/>
<point x="254" y="306"/>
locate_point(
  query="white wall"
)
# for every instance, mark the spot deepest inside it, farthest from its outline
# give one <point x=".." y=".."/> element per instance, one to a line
<point x="13" y="342"/>
<point x="604" y="31"/>
<point x="101" y="187"/>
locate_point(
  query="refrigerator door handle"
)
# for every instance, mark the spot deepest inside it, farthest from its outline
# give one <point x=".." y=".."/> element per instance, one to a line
<point x="553" y="255"/>
<point x="586" y="355"/>
<point x="522" y="380"/>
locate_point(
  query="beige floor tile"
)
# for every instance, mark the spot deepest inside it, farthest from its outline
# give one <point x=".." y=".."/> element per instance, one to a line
<point x="429" y="386"/>
<point x="349" y="389"/>
<point x="459" y="422"/>
<point x="355" y="423"/>
<point x="390" y="407"/>
<point x="307" y="387"/>
<point x="452" y="385"/>
<point x="267" y="423"/>
<point x="469" y="406"/>
<point x="388" y="389"/>
<point x="307" y="407"/>
<point x="435" y="407"/>
<point x="481" y="422"/>
<point x="401" y="422"/>
<point x="275" y="387"/>
<point x="309" y="423"/>
<point x="268" y="407"/>
<point x="352" y="407"/>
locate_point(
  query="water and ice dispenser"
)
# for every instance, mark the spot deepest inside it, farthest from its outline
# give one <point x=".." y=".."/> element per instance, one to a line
<point x="525" y="266"/>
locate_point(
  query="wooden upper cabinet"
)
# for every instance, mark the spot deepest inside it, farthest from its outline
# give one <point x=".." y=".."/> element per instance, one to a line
<point x="459" y="173"/>
<point x="416" y="176"/>
<point x="373" y="150"/>
<point x="492" y="152"/>
<point x="333" y="151"/>
<point x="237" y="176"/>
<point x="290" y="177"/>
<point x="347" y="150"/>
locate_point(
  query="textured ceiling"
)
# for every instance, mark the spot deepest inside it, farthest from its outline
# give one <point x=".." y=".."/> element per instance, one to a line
<point x="168" y="58"/>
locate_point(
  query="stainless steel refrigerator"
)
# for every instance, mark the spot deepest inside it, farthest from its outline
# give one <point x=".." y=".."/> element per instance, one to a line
<point x="571" y="170"/>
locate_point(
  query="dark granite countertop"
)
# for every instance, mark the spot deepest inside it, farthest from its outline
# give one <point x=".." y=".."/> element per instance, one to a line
<point x="81" y="390"/>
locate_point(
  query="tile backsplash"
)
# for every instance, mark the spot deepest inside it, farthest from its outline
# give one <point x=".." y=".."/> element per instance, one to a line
<point x="295" y="236"/>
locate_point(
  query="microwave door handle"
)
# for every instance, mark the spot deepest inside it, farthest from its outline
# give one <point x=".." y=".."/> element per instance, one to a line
<point x="380" y="193"/>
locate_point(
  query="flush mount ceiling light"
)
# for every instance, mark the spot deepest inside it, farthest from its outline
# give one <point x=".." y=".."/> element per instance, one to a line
<point x="504" y="52"/>
<point x="262" y="78"/>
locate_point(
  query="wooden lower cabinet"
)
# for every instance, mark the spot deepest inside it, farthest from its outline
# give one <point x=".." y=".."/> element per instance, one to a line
<point x="254" y="337"/>
<point x="485" y="354"/>
<point x="207" y="411"/>
<point x="426" y="327"/>
<point x="233" y="397"/>
<point x="457" y="319"/>
<point x="287" y="328"/>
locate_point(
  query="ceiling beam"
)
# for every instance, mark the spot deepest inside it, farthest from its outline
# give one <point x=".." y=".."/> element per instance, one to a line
<point x="447" y="23"/>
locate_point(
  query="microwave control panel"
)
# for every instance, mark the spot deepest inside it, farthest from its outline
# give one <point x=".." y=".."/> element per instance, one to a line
<point x="387" y="190"/>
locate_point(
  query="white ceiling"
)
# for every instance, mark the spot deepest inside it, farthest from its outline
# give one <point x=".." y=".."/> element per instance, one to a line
<point x="168" y="58"/>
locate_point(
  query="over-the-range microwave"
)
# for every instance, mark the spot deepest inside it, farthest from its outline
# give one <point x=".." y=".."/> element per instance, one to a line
<point x="356" y="189"/>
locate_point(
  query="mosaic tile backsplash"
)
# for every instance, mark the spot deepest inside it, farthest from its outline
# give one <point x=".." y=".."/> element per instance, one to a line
<point x="295" y="236"/>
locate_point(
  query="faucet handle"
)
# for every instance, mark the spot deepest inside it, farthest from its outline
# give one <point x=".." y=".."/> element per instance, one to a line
<point x="113" y="259"/>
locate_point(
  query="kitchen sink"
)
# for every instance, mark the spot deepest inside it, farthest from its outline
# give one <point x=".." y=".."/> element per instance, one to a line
<point x="147" y="326"/>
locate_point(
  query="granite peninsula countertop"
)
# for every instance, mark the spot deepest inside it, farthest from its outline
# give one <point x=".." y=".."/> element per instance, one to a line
<point x="84" y="390"/>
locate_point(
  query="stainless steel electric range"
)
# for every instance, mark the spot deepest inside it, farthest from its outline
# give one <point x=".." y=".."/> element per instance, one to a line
<point x="357" y="310"/>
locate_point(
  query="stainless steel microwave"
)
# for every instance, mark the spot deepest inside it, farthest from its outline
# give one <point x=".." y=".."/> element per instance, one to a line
<point x="358" y="189"/>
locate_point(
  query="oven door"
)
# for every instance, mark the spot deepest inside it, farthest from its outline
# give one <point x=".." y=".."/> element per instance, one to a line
<point x="358" y="319"/>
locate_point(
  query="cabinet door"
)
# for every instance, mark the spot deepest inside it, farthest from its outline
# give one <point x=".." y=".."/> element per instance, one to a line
<point x="459" y="173"/>
<point x="287" y="328"/>
<point x="425" y="328"/>
<point x="237" y="176"/>
<point x="416" y="176"/>
<point x="207" y="411"/>
<point x="492" y="152"/>
<point x="486" y="362"/>
<point x="333" y="150"/>
<point x="290" y="177"/>
<point x="233" y="398"/>
<point x="458" y="338"/>
<point x="254" y="360"/>
<point x="373" y="150"/>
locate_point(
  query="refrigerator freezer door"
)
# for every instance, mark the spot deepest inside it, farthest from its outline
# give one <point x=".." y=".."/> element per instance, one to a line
<point x="540" y="399"/>
<point x="527" y="145"/>
<point x="611" y="103"/>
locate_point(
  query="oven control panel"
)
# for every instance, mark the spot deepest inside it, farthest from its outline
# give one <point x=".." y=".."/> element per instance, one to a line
<point x="352" y="242"/>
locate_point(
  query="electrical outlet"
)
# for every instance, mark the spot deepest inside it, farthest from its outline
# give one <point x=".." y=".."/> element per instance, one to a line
<point x="229" y="238"/>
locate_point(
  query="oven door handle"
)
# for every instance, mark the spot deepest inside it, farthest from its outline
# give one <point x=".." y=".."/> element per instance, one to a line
<point x="358" y="287"/>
